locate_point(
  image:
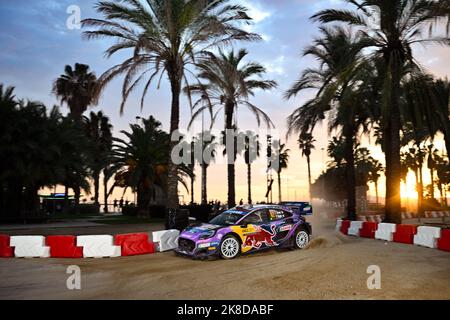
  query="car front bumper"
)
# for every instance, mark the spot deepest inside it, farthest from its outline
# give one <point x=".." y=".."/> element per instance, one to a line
<point x="197" y="250"/>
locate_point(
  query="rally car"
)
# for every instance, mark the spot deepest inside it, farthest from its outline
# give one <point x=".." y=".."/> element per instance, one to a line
<point x="246" y="229"/>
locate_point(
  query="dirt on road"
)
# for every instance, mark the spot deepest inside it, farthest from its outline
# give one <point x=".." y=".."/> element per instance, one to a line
<point x="333" y="267"/>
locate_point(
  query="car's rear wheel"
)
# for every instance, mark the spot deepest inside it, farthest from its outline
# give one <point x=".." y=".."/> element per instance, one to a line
<point x="229" y="247"/>
<point x="301" y="239"/>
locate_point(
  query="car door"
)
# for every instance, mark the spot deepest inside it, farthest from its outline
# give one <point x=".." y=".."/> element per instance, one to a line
<point x="258" y="232"/>
<point x="282" y="222"/>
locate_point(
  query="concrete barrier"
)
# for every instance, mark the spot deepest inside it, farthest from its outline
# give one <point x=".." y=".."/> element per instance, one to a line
<point x="98" y="246"/>
<point x="427" y="236"/>
<point x="29" y="247"/>
<point x="166" y="240"/>
<point x="355" y="227"/>
<point x="6" y="251"/>
<point x="385" y="231"/>
<point x="338" y="224"/>
<point x="134" y="244"/>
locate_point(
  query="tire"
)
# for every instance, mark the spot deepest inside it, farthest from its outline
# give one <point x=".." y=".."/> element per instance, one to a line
<point x="301" y="239"/>
<point x="230" y="247"/>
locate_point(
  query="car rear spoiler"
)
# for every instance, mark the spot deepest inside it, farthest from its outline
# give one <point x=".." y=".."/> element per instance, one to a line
<point x="300" y="208"/>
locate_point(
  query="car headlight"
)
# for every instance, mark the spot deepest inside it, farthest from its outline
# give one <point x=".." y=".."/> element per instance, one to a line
<point x="207" y="235"/>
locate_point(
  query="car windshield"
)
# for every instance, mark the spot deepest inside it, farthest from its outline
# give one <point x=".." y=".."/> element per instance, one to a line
<point x="226" y="219"/>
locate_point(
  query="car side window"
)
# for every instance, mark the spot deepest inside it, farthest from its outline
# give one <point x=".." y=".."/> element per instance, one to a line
<point x="275" y="214"/>
<point x="260" y="216"/>
<point x="252" y="219"/>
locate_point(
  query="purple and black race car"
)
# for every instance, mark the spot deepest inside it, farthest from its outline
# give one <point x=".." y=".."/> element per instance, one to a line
<point x="246" y="229"/>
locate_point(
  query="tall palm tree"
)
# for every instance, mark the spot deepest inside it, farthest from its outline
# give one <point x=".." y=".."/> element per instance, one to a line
<point x="208" y="154"/>
<point x="166" y="36"/>
<point x="390" y="28"/>
<point x="99" y="133"/>
<point x="306" y="143"/>
<point x="431" y="163"/>
<point x="282" y="154"/>
<point x="228" y="82"/>
<point x="251" y="153"/>
<point x="376" y="168"/>
<point x="338" y="94"/>
<point x="76" y="88"/>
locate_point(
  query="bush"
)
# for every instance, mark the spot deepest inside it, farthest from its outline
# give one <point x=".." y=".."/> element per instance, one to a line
<point x="85" y="209"/>
<point x="130" y="211"/>
<point x="200" y="212"/>
<point x="157" y="211"/>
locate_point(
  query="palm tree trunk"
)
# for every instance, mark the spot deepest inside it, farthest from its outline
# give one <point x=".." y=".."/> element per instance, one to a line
<point x="66" y="198"/>
<point x="77" y="191"/>
<point x="376" y="192"/>
<point x="172" y="175"/>
<point x="308" y="160"/>
<point x="392" y="140"/>
<point x="96" y="187"/>
<point x="416" y="174"/>
<point x="447" y="138"/>
<point x="105" y="191"/>
<point x="432" y="182"/>
<point x="204" y="182"/>
<point x="249" y="183"/>
<point x="420" y="191"/>
<point x="192" y="190"/>
<point x="350" y="172"/>
<point x="231" y="155"/>
<point x="279" y="186"/>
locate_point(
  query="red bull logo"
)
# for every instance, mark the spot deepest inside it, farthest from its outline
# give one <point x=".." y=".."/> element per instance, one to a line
<point x="259" y="237"/>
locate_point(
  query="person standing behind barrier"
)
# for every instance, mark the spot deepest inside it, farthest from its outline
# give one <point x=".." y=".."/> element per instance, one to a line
<point x="115" y="205"/>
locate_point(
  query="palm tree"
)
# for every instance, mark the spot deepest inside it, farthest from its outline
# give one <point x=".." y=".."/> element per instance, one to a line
<point x="43" y="149"/>
<point x="338" y="94"/>
<point x="251" y="153"/>
<point x="431" y="163"/>
<point x="142" y="160"/>
<point x="98" y="130"/>
<point x="165" y="36"/>
<point x="306" y="143"/>
<point x="376" y="168"/>
<point x="228" y="83"/>
<point x="208" y="150"/>
<point x="282" y="154"/>
<point x="391" y="27"/>
<point x="76" y="88"/>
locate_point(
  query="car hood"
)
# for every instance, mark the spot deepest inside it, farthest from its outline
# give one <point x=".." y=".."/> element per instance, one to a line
<point x="195" y="231"/>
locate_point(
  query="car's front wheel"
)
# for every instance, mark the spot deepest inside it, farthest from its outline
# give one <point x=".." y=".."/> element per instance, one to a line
<point x="301" y="239"/>
<point x="229" y="247"/>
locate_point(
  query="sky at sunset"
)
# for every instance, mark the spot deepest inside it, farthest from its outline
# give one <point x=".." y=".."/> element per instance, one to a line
<point x="36" y="45"/>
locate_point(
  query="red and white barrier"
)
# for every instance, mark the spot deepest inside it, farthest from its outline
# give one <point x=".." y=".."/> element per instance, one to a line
<point x="345" y="226"/>
<point x="385" y="231"/>
<point x="98" y="246"/>
<point x="427" y="236"/>
<point x="444" y="241"/>
<point x="63" y="247"/>
<point x="368" y="230"/>
<point x="29" y="247"/>
<point x="134" y="244"/>
<point x="6" y="251"/>
<point x="166" y="240"/>
<point x="338" y="224"/>
<point x="405" y="233"/>
<point x="355" y="227"/>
